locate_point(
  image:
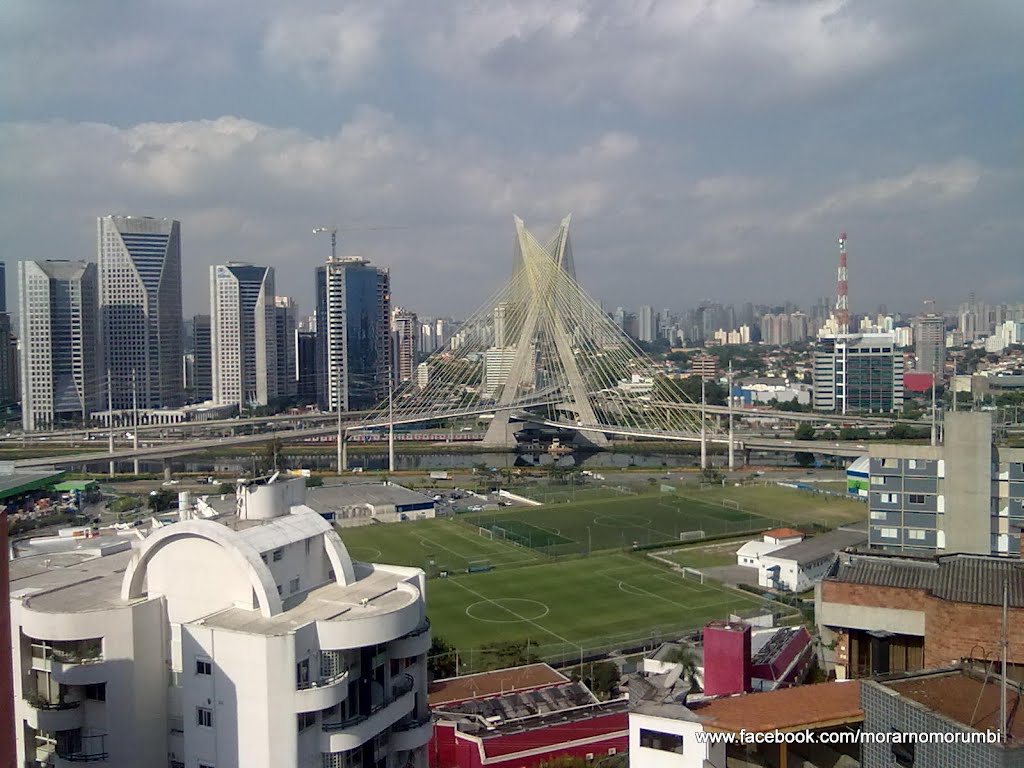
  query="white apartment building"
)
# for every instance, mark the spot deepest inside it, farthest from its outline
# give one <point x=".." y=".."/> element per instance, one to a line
<point x="60" y="350"/>
<point x="245" y="640"/>
<point x="139" y="260"/>
<point x="243" y="334"/>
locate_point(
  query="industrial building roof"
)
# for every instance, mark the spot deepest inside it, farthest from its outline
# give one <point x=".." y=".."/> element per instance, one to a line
<point x="817" y="547"/>
<point x="959" y="578"/>
<point x="15" y="483"/>
<point x="967" y="697"/>
<point x="785" y="709"/>
<point x="328" y="497"/>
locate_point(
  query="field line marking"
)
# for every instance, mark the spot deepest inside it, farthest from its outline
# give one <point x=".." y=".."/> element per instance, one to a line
<point x="648" y="593"/>
<point x="518" y="616"/>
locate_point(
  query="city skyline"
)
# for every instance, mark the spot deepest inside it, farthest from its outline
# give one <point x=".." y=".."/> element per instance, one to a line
<point x="868" y="120"/>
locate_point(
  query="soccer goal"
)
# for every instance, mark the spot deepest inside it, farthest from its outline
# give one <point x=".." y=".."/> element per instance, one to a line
<point x="487" y="533"/>
<point x="693" y="573"/>
<point x="731" y="504"/>
<point x="692" y="535"/>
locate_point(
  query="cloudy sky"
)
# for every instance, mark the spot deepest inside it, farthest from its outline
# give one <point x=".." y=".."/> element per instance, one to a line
<point x="706" y="148"/>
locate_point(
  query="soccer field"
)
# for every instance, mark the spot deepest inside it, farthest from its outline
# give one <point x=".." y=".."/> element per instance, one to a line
<point x="433" y="545"/>
<point x="617" y="522"/>
<point x="591" y="605"/>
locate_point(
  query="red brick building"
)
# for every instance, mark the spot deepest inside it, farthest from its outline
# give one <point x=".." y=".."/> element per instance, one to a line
<point x="521" y="717"/>
<point x="880" y="614"/>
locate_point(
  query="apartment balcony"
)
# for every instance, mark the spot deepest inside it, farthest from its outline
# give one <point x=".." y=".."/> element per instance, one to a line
<point x="358" y="729"/>
<point x="412" y="734"/>
<point x="415" y="643"/>
<point x="50" y="716"/>
<point x="322" y="693"/>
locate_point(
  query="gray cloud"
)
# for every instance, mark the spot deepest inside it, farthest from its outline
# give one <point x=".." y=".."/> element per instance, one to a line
<point x="706" y="148"/>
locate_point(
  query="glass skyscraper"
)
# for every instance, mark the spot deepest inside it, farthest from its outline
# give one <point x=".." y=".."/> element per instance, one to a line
<point x="140" y="308"/>
<point x="353" y="334"/>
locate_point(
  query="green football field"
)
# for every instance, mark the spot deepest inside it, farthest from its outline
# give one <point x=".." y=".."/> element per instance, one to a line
<point x="617" y="522"/>
<point x="561" y="608"/>
<point x="434" y="545"/>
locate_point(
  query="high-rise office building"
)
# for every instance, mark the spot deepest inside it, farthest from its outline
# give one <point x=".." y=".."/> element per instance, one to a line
<point x="139" y="259"/>
<point x="647" y="329"/>
<point x="930" y="343"/>
<point x="285" y="314"/>
<point x="858" y="372"/>
<point x="60" y="354"/>
<point x="442" y="332"/>
<point x="353" y="334"/>
<point x="8" y="348"/>
<point x="201" y="388"/>
<point x="244" y="334"/>
<point x="238" y="636"/>
<point x="305" y="366"/>
<point x="403" y="329"/>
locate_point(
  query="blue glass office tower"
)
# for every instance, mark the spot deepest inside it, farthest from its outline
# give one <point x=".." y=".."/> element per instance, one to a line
<point x="353" y="319"/>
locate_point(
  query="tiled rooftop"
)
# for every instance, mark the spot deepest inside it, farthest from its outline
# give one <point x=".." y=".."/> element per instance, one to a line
<point x="959" y="578"/>
<point x="500" y="681"/>
<point x="787" y="709"/>
<point x="965" y="697"/>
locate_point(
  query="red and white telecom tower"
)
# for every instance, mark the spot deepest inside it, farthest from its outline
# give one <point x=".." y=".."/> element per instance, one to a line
<point x="842" y="300"/>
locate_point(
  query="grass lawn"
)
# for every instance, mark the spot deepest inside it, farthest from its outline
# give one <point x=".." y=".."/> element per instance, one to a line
<point x="599" y="603"/>
<point x="615" y="522"/>
<point x="786" y="504"/>
<point x="434" y="545"/>
<point x="706" y="555"/>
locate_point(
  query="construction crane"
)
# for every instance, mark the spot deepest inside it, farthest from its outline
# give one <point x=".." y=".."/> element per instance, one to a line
<point x="334" y="238"/>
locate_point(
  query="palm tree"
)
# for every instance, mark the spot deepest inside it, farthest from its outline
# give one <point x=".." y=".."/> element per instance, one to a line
<point x="685" y="656"/>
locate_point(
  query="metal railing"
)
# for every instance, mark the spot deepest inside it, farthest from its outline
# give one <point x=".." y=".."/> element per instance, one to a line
<point x="400" y="689"/>
<point x="411" y="725"/>
<point x="320" y="682"/>
<point x="421" y="629"/>
<point x="38" y="702"/>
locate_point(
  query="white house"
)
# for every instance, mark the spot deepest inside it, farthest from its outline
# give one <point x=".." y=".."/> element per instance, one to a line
<point x="800" y="566"/>
<point x="750" y="554"/>
<point x="246" y="639"/>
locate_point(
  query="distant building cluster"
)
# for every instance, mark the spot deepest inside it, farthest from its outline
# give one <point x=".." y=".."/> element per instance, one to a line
<point x="103" y="340"/>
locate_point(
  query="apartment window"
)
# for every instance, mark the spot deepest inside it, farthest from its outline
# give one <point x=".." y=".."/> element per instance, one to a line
<point x="877" y="480"/>
<point x="888" y="533"/>
<point x="204" y="717"/>
<point x="890" y="498"/>
<point x="204" y="667"/>
<point x="612" y="751"/>
<point x="890" y="463"/>
<point x="915" y="533"/>
<point x="206" y="765"/>
<point x="915" y="498"/>
<point x="911" y="463"/>
<point x="302" y="673"/>
<point x="96" y="692"/>
<point x="278" y="554"/>
<point x="293" y="586"/>
<point x="902" y="750"/>
<point x="666" y="742"/>
<point x="877" y="514"/>
<point x="306" y="720"/>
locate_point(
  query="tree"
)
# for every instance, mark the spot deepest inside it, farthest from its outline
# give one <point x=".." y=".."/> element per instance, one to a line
<point x="828" y="434"/>
<point x="441" y="658"/>
<point x="226" y="489"/>
<point x="805" y="459"/>
<point x="685" y="656"/>
<point x="711" y="475"/>
<point x="161" y="500"/>
<point x="314" y="481"/>
<point x="508" y="653"/>
<point x="804" y="431"/>
<point x="604" y="679"/>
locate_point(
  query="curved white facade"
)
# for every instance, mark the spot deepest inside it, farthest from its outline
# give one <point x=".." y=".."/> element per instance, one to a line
<point x="228" y="642"/>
